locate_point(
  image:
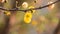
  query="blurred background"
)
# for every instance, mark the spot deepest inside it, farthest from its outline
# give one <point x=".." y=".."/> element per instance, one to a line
<point x="42" y="21"/>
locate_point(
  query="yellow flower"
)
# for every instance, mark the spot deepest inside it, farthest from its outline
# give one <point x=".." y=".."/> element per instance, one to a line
<point x="7" y="13"/>
<point x="28" y="17"/>
<point x="32" y="7"/>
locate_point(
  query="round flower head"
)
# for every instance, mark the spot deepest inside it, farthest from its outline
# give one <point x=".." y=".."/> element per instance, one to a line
<point x="24" y="4"/>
